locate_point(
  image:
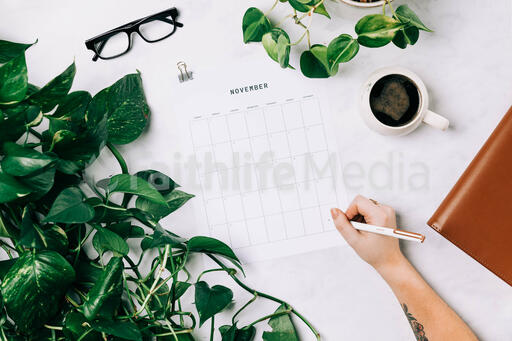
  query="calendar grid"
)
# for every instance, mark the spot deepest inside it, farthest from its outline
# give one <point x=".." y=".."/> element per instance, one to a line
<point x="282" y="129"/>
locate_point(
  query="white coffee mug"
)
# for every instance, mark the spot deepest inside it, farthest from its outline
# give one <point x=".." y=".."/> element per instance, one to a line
<point x="422" y="114"/>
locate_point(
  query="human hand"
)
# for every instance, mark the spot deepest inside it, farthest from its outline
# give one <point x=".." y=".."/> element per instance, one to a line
<point x="377" y="250"/>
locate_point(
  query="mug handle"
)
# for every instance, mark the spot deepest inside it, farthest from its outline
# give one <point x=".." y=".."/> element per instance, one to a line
<point x="436" y="120"/>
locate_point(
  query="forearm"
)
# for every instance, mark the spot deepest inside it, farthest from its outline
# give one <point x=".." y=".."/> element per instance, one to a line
<point x="430" y="317"/>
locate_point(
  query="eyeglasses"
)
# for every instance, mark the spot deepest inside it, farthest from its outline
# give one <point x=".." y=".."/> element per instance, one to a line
<point x="118" y="41"/>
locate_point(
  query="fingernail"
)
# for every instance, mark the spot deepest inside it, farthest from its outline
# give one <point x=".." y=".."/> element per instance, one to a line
<point x="335" y="213"/>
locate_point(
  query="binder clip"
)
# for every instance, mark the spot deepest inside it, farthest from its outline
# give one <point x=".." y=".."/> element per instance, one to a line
<point x="184" y="74"/>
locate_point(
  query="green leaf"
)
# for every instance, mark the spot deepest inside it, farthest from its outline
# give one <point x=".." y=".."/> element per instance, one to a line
<point x="70" y="208"/>
<point x="20" y="161"/>
<point x="406" y="36"/>
<point x="174" y="199"/>
<point x="52" y="93"/>
<point x="407" y="16"/>
<point x="126" y="230"/>
<point x="214" y="246"/>
<point x="160" y="181"/>
<point x="13" y="80"/>
<point x="314" y="64"/>
<point x="11" y="189"/>
<point x="277" y="44"/>
<point x="282" y="327"/>
<point x="70" y="114"/>
<point x="341" y="50"/>
<point x="125" y="107"/>
<point x="5" y="266"/>
<point x="126" y="183"/>
<point x="210" y="301"/>
<point x="76" y="325"/>
<point x="254" y="25"/>
<point x="32" y="236"/>
<point x="14" y="121"/>
<point x="10" y="50"/>
<point x="160" y="238"/>
<point x="123" y="329"/>
<point x="299" y="6"/>
<point x="105" y="296"/>
<point x="106" y="240"/>
<point x="34" y="288"/>
<point x="322" y="10"/>
<point x="232" y="333"/>
<point x="180" y="289"/>
<point x="377" y="30"/>
<point x="39" y="182"/>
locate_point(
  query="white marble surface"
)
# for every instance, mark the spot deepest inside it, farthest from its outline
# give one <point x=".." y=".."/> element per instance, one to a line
<point x="465" y="64"/>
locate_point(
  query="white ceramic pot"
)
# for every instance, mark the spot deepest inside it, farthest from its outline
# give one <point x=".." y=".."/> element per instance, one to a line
<point x="364" y="4"/>
<point x="422" y="115"/>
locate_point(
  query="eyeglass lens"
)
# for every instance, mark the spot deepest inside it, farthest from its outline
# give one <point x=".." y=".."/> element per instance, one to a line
<point x="151" y="31"/>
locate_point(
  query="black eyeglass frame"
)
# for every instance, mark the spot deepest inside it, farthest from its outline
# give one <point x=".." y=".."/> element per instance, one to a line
<point x="97" y="43"/>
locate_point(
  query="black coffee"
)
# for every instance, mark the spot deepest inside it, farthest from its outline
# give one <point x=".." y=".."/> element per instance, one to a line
<point x="394" y="100"/>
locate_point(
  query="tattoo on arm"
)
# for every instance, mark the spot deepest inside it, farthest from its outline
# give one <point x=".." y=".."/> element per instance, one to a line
<point x="417" y="327"/>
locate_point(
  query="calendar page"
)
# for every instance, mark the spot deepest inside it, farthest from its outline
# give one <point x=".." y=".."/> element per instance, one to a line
<point x="266" y="165"/>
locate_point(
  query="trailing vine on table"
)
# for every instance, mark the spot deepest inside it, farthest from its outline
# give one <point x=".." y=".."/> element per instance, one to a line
<point x="68" y="272"/>
<point x="319" y="61"/>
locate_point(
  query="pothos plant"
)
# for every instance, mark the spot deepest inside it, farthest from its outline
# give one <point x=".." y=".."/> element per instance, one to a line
<point x="68" y="272"/>
<point x="319" y="61"/>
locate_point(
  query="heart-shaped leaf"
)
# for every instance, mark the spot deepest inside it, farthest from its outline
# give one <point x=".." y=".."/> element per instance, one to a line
<point x="76" y="325"/>
<point x="282" y="327"/>
<point x="50" y="237"/>
<point x="106" y="240"/>
<point x="214" y="246"/>
<point x="160" y="181"/>
<point x="13" y="80"/>
<point x="52" y="93"/>
<point x="14" y="121"/>
<point x="232" y="333"/>
<point x="34" y="288"/>
<point x="307" y="5"/>
<point x="277" y="44"/>
<point x="105" y="296"/>
<point x="406" y="36"/>
<point x="11" y="189"/>
<point x="126" y="230"/>
<point x="10" y="50"/>
<point x="69" y="207"/>
<point x="125" y="329"/>
<point x="341" y="49"/>
<point x="174" y="199"/>
<point x="254" y="25"/>
<point x="70" y="114"/>
<point x="125" y="107"/>
<point x="210" y="301"/>
<point x="126" y="183"/>
<point x="314" y="64"/>
<point x="20" y="161"/>
<point x="161" y="238"/>
<point x="377" y="30"/>
<point x="407" y="16"/>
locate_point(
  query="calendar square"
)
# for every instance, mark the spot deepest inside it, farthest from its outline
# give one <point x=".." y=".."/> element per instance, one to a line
<point x="219" y="129"/>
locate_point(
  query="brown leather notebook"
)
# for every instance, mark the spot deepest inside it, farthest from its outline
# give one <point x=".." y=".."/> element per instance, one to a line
<point x="476" y="215"/>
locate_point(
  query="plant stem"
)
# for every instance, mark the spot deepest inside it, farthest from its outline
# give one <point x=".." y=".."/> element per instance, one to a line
<point x="284" y="312"/>
<point x="243" y="307"/>
<point x="272" y="8"/>
<point x="228" y="270"/>
<point x="124" y="169"/>
<point x="390" y="7"/>
<point x="35" y="133"/>
<point x="212" y="329"/>
<point x="272" y="298"/>
<point x="119" y="157"/>
<point x="153" y="288"/>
